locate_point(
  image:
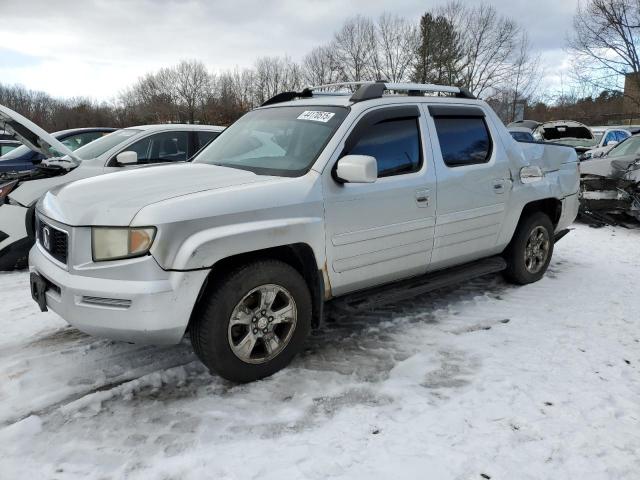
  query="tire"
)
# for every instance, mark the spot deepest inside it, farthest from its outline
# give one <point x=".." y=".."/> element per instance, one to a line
<point x="521" y="269"/>
<point x="277" y="337"/>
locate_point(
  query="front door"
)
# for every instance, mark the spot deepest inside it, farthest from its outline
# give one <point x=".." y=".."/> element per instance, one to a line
<point x="383" y="231"/>
<point x="474" y="184"/>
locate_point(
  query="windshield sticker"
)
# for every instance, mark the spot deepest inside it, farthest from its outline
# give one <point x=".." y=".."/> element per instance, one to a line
<point x="316" y="116"/>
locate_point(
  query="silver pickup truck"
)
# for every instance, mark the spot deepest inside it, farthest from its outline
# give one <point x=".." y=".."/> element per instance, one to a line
<point x="316" y="196"/>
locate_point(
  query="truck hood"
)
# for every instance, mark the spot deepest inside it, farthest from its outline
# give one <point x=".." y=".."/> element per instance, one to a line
<point x="114" y="199"/>
<point x="31" y="134"/>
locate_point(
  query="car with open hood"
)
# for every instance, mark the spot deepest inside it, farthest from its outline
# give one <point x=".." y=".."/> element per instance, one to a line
<point x="318" y="196"/>
<point x="122" y="150"/>
<point x="26" y="158"/>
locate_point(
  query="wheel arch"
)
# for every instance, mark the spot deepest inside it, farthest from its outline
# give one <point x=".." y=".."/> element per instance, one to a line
<point x="298" y="255"/>
<point x="552" y="207"/>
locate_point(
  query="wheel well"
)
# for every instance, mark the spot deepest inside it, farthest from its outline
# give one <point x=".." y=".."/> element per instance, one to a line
<point x="552" y="207"/>
<point x="299" y="255"/>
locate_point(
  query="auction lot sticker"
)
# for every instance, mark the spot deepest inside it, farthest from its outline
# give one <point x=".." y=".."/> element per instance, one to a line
<point x="316" y="116"/>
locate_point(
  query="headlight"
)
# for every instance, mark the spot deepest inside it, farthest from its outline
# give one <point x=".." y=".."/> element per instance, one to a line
<point x="114" y="243"/>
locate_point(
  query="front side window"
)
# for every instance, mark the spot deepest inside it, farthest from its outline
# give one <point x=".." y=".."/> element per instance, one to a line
<point x="283" y="141"/>
<point x="395" y="144"/>
<point x="463" y="140"/>
<point x="74" y="142"/>
<point x="161" y="147"/>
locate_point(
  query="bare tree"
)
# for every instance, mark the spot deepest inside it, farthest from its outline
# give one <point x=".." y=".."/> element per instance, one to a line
<point x="489" y="42"/>
<point x="320" y="66"/>
<point x="605" y="43"/>
<point x="355" y="48"/>
<point x="192" y="85"/>
<point x="274" y="75"/>
<point x="396" y="43"/>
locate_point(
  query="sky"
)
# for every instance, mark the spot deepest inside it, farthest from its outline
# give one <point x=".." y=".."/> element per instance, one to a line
<point x="96" y="48"/>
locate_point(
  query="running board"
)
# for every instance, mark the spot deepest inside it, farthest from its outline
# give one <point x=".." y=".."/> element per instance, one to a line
<point x="560" y="235"/>
<point x="404" y="289"/>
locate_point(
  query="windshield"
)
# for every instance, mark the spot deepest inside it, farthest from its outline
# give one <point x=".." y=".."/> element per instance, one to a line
<point x="104" y="144"/>
<point x="283" y="141"/>
<point x="629" y="146"/>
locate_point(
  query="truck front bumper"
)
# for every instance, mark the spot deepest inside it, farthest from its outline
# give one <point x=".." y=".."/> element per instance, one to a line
<point x="154" y="311"/>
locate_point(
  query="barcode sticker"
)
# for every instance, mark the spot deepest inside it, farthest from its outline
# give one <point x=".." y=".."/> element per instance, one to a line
<point x="316" y="116"/>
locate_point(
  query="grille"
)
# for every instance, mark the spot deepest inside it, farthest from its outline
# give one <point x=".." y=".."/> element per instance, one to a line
<point x="54" y="241"/>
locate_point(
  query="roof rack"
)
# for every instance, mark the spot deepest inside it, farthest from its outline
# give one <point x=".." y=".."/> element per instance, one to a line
<point x="368" y="90"/>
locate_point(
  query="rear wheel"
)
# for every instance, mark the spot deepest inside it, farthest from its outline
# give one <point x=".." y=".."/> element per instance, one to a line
<point x="253" y="321"/>
<point x="529" y="253"/>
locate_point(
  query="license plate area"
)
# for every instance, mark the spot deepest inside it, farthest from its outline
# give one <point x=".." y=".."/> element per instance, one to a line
<point x="39" y="288"/>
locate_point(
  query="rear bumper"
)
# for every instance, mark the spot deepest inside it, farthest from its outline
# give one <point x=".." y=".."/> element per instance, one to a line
<point x="156" y="311"/>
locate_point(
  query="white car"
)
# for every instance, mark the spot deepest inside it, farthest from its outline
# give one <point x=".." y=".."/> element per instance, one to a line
<point x="123" y="149"/>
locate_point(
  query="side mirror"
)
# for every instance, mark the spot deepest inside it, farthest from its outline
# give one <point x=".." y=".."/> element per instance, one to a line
<point x="127" y="158"/>
<point x="612" y="143"/>
<point x="357" y="169"/>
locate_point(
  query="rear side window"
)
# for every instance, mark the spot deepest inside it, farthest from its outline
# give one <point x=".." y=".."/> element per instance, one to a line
<point x="395" y="144"/>
<point x="463" y="140"/>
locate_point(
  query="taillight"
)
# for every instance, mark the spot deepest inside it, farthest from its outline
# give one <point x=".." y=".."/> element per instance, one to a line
<point x="5" y="189"/>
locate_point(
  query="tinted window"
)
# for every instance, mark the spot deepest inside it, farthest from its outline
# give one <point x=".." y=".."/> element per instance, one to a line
<point x="204" y="138"/>
<point x="463" y="141"/>
<point x="161" y="147"/>
<point x="395" y="144"/>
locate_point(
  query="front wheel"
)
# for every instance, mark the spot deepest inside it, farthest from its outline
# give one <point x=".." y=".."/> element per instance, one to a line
<point x="252" y="322"/>
<point x="529" y="253"/>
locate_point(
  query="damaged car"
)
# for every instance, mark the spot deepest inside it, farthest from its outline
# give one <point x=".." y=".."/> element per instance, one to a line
<point x="124" y="149"/>
<point x="610" y="185"/>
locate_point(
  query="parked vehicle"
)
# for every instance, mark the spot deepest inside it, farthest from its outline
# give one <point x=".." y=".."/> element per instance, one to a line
<point x="606" y="139"/>
<point x="521" y="134"/>
<point x="25" y="158"/>
<point x="610" y="185"/>
<point x="304" y="200"/>
<point x="124" y="149"/>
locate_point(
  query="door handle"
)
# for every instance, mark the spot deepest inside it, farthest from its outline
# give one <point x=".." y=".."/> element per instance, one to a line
<point x="422" y="198"/>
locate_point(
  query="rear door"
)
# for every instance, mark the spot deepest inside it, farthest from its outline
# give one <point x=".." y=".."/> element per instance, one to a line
<point x="382" y="231"/>
<point x="474" y="184"/>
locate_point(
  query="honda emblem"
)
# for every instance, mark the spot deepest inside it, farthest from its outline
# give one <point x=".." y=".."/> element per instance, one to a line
<point x="46" y="238"/>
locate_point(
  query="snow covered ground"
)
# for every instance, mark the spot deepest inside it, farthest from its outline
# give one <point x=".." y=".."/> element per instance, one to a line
<point x="484" y="380"/>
